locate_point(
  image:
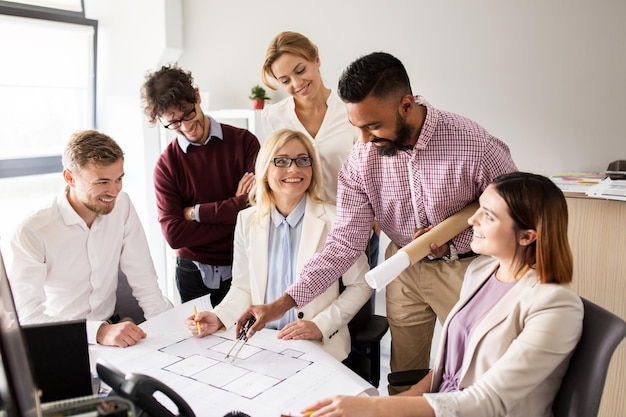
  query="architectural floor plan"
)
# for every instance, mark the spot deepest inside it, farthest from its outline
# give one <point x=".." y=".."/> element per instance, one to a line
<point x="269" y="377"/>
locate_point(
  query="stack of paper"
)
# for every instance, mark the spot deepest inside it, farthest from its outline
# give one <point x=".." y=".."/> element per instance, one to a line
<point x="609" y="189"/>
<point x="577" y="182"/>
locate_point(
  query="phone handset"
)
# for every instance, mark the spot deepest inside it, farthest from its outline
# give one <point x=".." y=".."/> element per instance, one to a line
<point x="140" y="389"/>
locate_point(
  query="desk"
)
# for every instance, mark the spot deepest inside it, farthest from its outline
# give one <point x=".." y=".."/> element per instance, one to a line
<point x="597" y="234"/>
<point x="269" y="377"/>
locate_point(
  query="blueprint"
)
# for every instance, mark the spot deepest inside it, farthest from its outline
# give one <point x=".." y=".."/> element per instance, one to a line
<point x="269" y="377"/>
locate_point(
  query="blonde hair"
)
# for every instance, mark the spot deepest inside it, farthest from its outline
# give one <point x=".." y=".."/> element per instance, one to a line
<point x="87" y="146"/>
<point x="261" y="194"/>
<point x="286" y="43"/>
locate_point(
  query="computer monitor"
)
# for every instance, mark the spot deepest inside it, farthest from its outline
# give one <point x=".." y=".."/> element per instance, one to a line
<point x="59" y="354"/>
<point x="18" y="393"/>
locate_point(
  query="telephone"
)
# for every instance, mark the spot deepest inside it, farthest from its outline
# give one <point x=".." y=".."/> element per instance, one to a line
<point x="140" y="389"/>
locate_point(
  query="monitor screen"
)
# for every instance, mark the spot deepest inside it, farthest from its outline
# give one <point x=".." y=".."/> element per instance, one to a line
<point x="59" y="354"/>
<point x="18" y="394"/>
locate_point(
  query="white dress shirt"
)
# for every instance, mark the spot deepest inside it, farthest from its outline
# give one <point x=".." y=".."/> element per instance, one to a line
<point x="64" y="270"/>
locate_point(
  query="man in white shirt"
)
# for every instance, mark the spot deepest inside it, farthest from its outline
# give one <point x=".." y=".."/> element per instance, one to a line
<point x="67" y="256"/>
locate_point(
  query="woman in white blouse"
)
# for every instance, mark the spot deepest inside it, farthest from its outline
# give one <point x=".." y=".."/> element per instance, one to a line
<point x="507" y="343"/>
<point x="286" y="225"/>
<point x="293" y="61"/>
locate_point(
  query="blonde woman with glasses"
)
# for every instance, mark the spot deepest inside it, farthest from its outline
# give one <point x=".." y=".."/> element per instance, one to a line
<point x="286" y="225"/>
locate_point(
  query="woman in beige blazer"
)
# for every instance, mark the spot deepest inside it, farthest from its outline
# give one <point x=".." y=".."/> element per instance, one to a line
<point x="507" y="342"/>
<point x="288" y="188"/>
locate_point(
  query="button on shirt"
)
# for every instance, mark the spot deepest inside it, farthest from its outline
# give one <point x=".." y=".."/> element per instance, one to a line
<point x="451" y="164"/>
<point x="285" y="228"/>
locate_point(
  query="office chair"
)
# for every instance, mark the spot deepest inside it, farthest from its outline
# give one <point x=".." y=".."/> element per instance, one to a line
<point x="126" y="305"/>
<point x="366" y="331"/>
<point x="581" y="390"/>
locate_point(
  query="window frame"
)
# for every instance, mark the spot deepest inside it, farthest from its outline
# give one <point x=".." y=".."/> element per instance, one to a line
<point x="37" y="165"/>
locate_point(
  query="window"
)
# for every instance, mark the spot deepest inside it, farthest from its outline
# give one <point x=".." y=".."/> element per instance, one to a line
<point x="47" y="85"/>
<point x="71" y="5"/>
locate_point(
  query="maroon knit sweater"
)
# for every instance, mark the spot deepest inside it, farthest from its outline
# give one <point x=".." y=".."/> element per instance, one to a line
<point x="207" y="175"/>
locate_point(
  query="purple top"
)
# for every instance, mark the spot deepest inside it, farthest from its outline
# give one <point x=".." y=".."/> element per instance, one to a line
<point x="462" y="325"/>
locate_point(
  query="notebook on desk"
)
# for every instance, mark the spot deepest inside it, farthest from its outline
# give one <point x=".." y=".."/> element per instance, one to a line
<point x="19" y="391"/>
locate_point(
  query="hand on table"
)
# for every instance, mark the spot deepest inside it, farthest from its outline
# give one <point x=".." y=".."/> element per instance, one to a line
<point x="121" y="334"/>
<point x="300" y="330"/>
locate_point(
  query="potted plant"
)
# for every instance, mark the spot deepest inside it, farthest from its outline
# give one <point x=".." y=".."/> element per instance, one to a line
<point x="258" y="97"/>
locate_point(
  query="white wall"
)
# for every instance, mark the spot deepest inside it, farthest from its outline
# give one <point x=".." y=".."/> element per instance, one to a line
<point x="134" y="38"/>
<point x="545" y="77"/>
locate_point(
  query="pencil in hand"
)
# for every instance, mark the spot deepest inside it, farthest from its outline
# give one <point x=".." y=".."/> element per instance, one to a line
<point x="195" y="313"/>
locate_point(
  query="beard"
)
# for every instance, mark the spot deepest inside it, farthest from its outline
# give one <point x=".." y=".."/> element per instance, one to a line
<point x="99" y="208"/>
<point x="392" y="146"/>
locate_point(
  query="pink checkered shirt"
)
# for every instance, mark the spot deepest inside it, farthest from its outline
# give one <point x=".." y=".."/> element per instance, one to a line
<point x="452" y="163"/>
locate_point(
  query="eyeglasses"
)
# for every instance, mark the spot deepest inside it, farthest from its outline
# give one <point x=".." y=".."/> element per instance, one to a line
<point x="284" y="162"/>
<point x="175" y="124"/>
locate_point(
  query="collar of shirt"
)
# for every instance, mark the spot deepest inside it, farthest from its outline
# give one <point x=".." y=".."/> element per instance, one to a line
<point x="429" y="125"/>
<point x="70" y="216"/>
<point x="294" y="217"/>
<point x="215" y="131"/>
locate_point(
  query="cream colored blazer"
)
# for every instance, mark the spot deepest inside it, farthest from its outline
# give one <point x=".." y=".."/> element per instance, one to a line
<point x="518" y="354"/>
<point x="330" y="311"/>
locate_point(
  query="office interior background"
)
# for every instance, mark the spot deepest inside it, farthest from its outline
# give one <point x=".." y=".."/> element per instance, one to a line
<point x="545" y="77"/>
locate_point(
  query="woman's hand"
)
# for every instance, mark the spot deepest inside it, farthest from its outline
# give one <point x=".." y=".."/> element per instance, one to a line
<point x="362" y="406"/>
<point x="300" y="330"/>
<point x="208" y="321"/>
<point x="264" y="313"/>
<point x="342" y="406"/>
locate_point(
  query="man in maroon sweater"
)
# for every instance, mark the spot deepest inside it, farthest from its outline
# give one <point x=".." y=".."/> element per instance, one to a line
<point x="201" y="179"/>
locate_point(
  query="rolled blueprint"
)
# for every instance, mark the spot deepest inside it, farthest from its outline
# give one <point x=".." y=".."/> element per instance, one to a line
<point x="387" y="271"/>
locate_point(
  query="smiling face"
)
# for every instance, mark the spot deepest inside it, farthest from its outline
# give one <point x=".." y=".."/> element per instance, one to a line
<point x="382" y="123"/>
<point x="495" y="233"/>
<point x="299" y="77"/>
<point x="93" y="189"/>
<point x="289" y="184"/>
<point x="196" y="129"/>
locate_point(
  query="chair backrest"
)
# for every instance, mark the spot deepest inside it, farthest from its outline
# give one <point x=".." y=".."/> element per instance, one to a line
<point x="126" y="304"/>
<point x="581" y="389"/>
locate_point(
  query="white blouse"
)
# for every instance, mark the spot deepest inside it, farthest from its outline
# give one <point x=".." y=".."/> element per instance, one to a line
<point x="333" y="141"/>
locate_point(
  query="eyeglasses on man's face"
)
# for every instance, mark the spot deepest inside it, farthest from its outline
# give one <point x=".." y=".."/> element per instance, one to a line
<point x="284" y="162"/>
<point x="175" y="124"/>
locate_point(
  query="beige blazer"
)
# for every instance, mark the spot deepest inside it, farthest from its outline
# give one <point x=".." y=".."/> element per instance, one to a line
<point x="518" y="354"/>
<point x="330" y="311"/>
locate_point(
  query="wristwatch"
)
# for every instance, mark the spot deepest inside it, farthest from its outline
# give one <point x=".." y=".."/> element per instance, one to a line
<point x="192" y="213"/>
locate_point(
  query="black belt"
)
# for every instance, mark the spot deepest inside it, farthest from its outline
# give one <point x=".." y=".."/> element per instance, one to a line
<point x="468" y="254"/>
